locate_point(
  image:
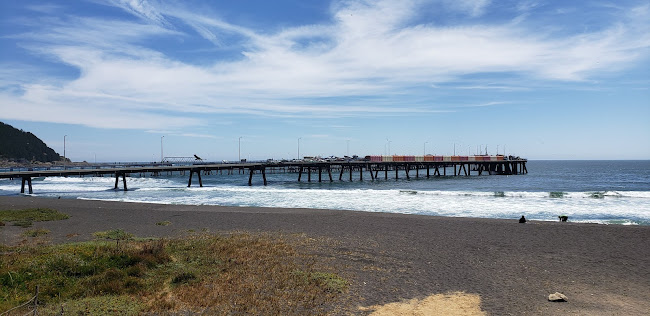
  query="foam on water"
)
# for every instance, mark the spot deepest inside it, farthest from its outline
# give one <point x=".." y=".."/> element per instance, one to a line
<point x="486" y="197"/>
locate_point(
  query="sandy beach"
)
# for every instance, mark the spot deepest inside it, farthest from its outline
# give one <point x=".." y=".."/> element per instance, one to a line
<point x="602" y="269"/>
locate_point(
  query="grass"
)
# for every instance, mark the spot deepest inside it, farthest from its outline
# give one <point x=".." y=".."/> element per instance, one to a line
<point x="115" y="234"/>
<point x="32" y="214"/>
<point x="25" y="218"/>
<point x="211" y="274"/>
<point x="165" y="223"/>
<point x="23" y="223"/>
<point x="35" y="232"/>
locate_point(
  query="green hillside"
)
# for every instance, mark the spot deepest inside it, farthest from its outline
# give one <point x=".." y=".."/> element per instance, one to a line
<point x="19" y="145"/>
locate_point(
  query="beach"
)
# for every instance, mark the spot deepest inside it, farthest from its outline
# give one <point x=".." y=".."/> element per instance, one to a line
<point x="387" y="257"/>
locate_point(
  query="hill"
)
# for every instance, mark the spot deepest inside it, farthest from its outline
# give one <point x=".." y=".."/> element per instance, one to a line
<point x="19" y="145"/>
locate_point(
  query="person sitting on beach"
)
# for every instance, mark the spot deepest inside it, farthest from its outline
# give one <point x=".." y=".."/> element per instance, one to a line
<point x="522" y="219"/>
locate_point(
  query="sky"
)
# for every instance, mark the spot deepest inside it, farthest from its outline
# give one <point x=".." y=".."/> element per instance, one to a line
<point x="134" y="80"/>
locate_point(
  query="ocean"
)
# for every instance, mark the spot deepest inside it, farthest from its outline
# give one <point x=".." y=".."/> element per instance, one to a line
<point x="605" y="192"/>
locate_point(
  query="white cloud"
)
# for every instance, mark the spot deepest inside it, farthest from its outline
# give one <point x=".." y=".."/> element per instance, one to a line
<point x="142" y="9"/>
<point x="472" y="7"/>
<point x="372" y="48"/>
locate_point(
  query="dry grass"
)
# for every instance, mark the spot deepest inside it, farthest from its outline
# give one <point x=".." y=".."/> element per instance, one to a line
<point x="451" y="304"/>
<point x="256" y="275"/>
<point x="234" y="274"/>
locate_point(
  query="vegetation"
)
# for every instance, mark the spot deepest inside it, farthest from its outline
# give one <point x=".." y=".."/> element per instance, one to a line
<point x="17" y="144"/>
<point x="236" y="274"/>
<point x="32" y="214"/>
<point x="115" y="234"/>
<point x="24" y="218"/>
<point x="35" y="232"/>
<point x="165" y="223"/>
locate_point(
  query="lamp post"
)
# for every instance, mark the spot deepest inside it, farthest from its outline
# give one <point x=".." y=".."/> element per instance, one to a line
<point x="348" y="148"/>
<point x="65" y="162"/>
<point x="388" y="145"/>
<point x="425" y="149"/>
<point x="299" y="138"/>
<point x="240" y="148"/>
<point x="161" y="149"/>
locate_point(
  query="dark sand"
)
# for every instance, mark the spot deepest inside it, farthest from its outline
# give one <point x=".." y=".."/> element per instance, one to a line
<point x="602" y="269"/>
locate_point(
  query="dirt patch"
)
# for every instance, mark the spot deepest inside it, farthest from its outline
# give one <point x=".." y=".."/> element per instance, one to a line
<point x="451" y="304"/>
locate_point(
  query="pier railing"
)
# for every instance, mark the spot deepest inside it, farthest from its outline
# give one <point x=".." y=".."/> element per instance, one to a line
<point x="374" y="170"/>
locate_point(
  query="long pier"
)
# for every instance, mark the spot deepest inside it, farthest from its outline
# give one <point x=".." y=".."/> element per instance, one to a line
<point x="375" y="170"/>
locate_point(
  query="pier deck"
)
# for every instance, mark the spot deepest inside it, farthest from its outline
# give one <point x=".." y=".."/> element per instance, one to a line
<point x="372" y="168"/>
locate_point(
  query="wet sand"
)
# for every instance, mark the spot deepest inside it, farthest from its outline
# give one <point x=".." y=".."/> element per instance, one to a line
<point x="602" y="269"/>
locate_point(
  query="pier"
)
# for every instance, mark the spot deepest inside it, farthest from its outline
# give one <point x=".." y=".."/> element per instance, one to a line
<point x="375" y="167"/>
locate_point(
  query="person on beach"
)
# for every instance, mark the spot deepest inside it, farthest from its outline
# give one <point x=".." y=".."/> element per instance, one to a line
<point x="522" y="219"/>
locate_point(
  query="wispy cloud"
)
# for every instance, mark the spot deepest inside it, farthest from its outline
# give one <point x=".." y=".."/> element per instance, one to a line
<point x="370" y="48"/>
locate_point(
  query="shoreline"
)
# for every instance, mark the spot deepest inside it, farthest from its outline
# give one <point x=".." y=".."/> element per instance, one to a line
<point x="390" y="257"/>
<point x="571" y="219"/>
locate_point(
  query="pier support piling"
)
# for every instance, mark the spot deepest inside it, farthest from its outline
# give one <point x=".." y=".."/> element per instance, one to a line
<point x="29" y="184"/>
<point x="198" y="173"/>
<point x="117" y="180"/>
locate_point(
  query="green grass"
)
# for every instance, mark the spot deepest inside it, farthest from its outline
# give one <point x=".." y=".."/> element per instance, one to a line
<point x="237" y="274"/>
<point x="115" y="234"/>
<point x="32" y="214"/>
<point x="24" y="223"/>
<point x="165" y="223"/>
<point x="35" y="232"/>
<point x="25" y="218"/>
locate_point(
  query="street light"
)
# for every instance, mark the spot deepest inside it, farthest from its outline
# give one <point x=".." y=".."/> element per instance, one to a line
<point x="299" y="138"/>
<point x="425" y="149"/>
<point x="161" y="149"/>
<point x="388" y="146"/>
<point x="348" y="152"/>
<point x="240" y="148"/>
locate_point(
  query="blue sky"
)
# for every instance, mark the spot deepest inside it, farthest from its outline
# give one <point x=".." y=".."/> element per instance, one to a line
<point x="538" y="79"/>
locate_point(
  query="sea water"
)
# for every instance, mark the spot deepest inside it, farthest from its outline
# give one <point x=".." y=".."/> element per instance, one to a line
<point x="607" y="192"/>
